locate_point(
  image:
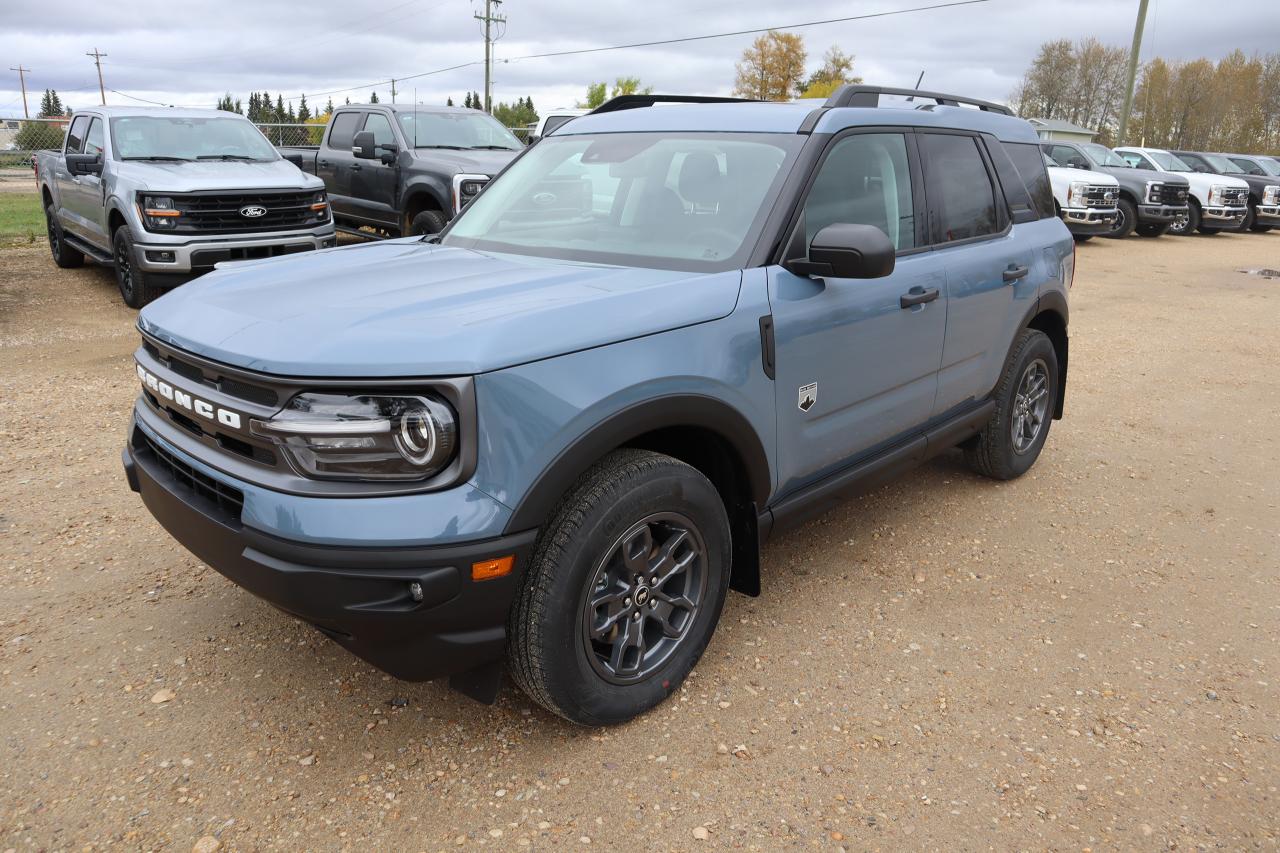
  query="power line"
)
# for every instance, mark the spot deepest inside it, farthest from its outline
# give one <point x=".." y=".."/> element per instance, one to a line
<point x="685" y="39"/>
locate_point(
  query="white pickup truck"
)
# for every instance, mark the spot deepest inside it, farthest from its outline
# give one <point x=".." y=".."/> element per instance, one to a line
<point x="1216" y="203"/>
<point x="1086" y="200"/>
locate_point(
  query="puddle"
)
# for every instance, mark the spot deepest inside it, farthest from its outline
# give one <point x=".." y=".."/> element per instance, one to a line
<point x="1265" y="273"/>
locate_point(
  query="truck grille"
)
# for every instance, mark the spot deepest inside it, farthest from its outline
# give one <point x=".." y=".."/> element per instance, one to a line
<point x="220" y="213"/>
<point x="1101" y="196"/>
<point x="226" y="498"/>
<point x="225" y="384"/>
<point x="1235" y="197"/>
<point x="1173" y="195"/>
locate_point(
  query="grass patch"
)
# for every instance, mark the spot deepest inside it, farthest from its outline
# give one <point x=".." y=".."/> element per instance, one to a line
<point x="21" y="219"/>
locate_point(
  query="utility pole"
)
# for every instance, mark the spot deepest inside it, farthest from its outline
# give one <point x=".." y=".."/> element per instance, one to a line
<point x="22" y="81"/>
<point x="1133" y="70"/>
<point x="489" y="18"/>
<point x="393" y="90"/>
<point x="97" y="60"/>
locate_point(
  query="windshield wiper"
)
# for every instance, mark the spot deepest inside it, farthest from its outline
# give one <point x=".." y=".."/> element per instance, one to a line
<point x="162" y="158"/>
<point x="450" y="147"/>
<point x="231" y="157"/>
<point x="493" y="148"/>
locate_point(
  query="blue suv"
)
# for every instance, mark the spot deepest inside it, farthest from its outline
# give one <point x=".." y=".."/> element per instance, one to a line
<point x="553" y="437"/>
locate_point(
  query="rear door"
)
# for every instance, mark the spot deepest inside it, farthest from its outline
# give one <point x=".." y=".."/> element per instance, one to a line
<point x="334" y="160"/>
<point x="856" y="368"/>
<point x="988" y="266"/>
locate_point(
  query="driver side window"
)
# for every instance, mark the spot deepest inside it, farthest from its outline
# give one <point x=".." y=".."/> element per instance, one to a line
<point x="380" y="127"/>
<point x="865" y="180"/>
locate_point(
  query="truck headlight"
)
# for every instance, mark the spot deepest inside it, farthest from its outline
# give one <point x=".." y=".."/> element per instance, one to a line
<point x="159" y="213"/>
<point x="465" y="188"/>
<point x="1215" y="194"/>
<point x="1271" y="195"/>
<point x="1154" y="189"/>
<point x="1076" y="194"/>
<point x="320" y="206"/>
<point x="364" y="437"/>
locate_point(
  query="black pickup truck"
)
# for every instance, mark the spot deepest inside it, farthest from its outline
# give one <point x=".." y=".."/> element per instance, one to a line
<point x="404" y="170"/>
<point x="1149" y="201"/>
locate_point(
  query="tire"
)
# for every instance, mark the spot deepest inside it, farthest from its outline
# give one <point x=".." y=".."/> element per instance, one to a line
<point x="1082" y="238"/>
<point x="1207" y="231"/>
<point x="1126" y="220"/>
<point x="1009" y="445"/>
<point x="1251" y="221"/>
<point x="1151" y="230"/>
<point x="63" y="255"/>
<point x="630" y="499"/>
<point x="1188" y="225"/>
<point x="427" y="222"/>
<point x="137" y="288"/>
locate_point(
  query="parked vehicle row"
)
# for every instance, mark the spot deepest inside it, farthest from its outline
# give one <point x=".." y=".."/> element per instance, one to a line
<point x="162" y="195"/>
<point x="1147" y="201"/>
<point x="1214" y="202"/>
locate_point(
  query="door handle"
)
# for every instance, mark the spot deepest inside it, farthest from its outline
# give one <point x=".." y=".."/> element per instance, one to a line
<point x="355" y="167"/>
<point x="1015" y="272"/>
<point x="917" y="296"/>
<point x="324" y="163"/>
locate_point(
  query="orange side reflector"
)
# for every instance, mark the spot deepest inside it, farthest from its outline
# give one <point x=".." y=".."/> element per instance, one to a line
<point x="490" y="569"/>
<point x="150" y="212"/>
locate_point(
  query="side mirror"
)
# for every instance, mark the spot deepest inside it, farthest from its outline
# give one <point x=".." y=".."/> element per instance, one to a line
<point x="844" y="250"/>
<point x="389" y="152"/>
<point x="295" y="159"/>
<point x="84" y="164"/>
<point x="362" y="146"/>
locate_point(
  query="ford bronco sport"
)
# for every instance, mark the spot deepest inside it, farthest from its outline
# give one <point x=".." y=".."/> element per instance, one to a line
<point x="556" y="436"/>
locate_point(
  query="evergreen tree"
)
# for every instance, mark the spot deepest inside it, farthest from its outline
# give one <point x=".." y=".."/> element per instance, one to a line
<point x="448" y="102"/>
<point x="304" y="112"/>
<point x="239" y="108"/>
<point x="373" y="98"/>
<point x="280" y="115"/>
<point x="51" y="104"/>
<point x="328" y="108"/>
<point x="253" y="106"/>
<point x="476" y="101"/>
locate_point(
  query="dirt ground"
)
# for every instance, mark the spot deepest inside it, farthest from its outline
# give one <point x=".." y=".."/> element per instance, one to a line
<point x="1084" y="658"/>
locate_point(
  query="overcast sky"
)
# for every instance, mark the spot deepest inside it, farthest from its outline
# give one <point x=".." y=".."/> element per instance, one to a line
<point x="190" y="53"/>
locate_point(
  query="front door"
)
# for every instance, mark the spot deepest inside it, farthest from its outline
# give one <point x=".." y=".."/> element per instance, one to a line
<point x="334" y="160"/>
<point x="373" y="183"/>
<point x="856" y="364"/>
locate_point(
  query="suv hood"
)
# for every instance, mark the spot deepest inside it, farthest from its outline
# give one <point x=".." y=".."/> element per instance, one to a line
<point x="218" y="175"/>
<point x="468" y="162"/>
<point x="413" y="309"/>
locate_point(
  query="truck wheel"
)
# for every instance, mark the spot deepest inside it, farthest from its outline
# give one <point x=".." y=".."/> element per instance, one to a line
<point x="1126" y="219"/>
<point x="135" y="285"/>
<point x="1151" y="230"/>
<point x="427" y="222"/>
<point x="1082" y="238"/>
<point x="623" y="591"/>
<point x="1188" y="224"/>
<point x="63" y="255"/>
<point x="1251" y="220"/>
<point x="1025" y="397"/>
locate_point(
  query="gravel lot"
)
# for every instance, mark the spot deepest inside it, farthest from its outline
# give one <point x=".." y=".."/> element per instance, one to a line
<point x="1084" y="658"/>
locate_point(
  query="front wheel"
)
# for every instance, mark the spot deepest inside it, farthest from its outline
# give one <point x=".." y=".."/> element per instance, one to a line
<point x="1025" y="398"/>
<point x="137" y="287"/>
<point x="1183" y="225"/>
<point x="623" y="591"/>
<point x="1126" y="219"/>
<point x="1251" y="220"/>
<point x="1151" y="230"/>
<point x="426" y="223"/>
<point x="1082" y="238"/>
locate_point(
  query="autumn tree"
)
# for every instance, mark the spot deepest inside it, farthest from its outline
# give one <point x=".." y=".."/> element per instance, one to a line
<point x="771" y="68"/>
<point x="598" y="93"/>
<point x="836" y="71"/>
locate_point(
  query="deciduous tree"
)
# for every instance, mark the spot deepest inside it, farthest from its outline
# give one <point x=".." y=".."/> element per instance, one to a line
<point x="771" y="68"/>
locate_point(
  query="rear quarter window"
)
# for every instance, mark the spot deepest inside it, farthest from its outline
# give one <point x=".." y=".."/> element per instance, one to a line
<point x="1029" y="161"/>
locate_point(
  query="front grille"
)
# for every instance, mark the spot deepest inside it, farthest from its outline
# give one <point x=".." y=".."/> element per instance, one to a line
<point x="208" y="213"/>
<point x="227" y="499"/>
<point x="232" y="387"/>
<point x="1096" y="196"/>
<point x="1235" y="198"/>
<point x="1174" y="195"/>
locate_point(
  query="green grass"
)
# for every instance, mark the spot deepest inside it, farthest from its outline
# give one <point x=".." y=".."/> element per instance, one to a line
<point x="21" y="219"/>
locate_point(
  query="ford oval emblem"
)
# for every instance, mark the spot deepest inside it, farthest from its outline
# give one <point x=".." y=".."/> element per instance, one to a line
<point x="253" y="211"/>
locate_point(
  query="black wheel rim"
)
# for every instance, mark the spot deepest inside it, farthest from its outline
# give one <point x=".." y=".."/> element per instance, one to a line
<point x="124" y="269"/>
<point x="55" y="240"/>
<point x="1030" y="406"/>
<point x="643" y="597"/>
<point x="1118" y="226"/>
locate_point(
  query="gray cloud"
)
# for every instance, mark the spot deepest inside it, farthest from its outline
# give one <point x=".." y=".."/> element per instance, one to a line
<point x="192" y="52"/>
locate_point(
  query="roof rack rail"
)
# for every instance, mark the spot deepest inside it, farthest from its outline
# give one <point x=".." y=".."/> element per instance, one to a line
<point x="854" y="95"/>
<point x="631" y="102"/>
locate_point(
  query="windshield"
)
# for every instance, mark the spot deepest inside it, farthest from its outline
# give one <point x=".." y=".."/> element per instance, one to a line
<point x="456" y="130"/>
<point x="1220" y="164"/>
<point x="1271" y="167"/>
<point x="1101" y="155"/>
<point x="692" y="201"/>
<point x="1168" y="162"/>
<point x="173" y="138"/>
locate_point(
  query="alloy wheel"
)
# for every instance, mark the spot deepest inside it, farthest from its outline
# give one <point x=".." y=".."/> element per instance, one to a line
<point x="124" y="269"/>
<point x="643" y="597"/>
<point x="1030" y="406"/>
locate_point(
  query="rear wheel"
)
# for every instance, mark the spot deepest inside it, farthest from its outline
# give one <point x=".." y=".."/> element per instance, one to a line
<point x="1011" y="441"/>
<point x="1151" y="230"/>
<point x="63" y="255"/>
<point x="137" y="287"/>
<point x="1126" y="219"/>
<point x="1186" y="224"/>
<point x="427" y="222"/>
<point x="623" y="591"/>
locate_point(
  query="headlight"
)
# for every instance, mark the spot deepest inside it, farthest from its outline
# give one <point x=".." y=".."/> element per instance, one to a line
<point x="320" y="206"/>
<point x="1271" y="195"/>
<point x="1215" y="194"/>
<point x="1076" y="194"/>
<point x="342" y="437"/>
<point x="465" y="188"/>
<point x="159" y="212"/>
<point x="1154" y="189"/>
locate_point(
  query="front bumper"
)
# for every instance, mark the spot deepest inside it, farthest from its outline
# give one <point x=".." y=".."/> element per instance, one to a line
<point x="359" y="597"/>
<point x="199" y="254"/>
<point x="1267" y="214"/>
<point x="1088" y="220"/>
<point x="1223" y="215"/>
<point x="1162" y="213"/>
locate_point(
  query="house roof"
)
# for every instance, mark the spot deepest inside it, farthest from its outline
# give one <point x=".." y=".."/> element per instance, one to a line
<point x="1060" y="125"/>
